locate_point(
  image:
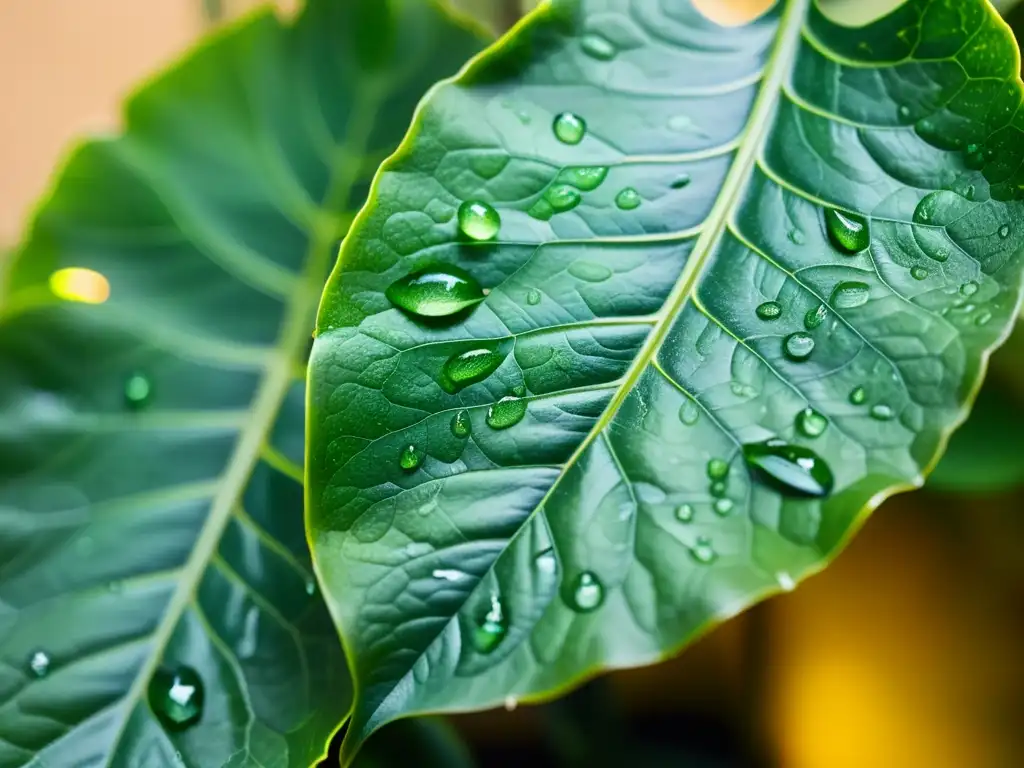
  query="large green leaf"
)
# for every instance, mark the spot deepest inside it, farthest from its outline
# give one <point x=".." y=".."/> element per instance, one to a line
<point x="161" y="525"/>
<point x="514" y="562"/>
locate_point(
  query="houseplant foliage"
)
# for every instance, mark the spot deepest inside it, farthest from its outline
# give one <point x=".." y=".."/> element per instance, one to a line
<point x="157" y="600"/>
<point x="642" y="320"/>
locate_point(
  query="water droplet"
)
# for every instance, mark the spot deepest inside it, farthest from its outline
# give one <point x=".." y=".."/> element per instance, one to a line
<point x="492" y="628"/>
<point x="792" y="469"/>
<point x="684" y="513"/>
<point x="796" y="236"/>
<point x="461" y="424"/>
<point x="519" y="390"/>
<point x="798" y="346"/>
<point x="918" y="273"/>
<point x="469" y="367"/>
<point x="740" y="389"/>
<point x="587" y="593"/>
<point x="815" y="317"/>
<point x="569" y="128"/>
<point x="689" y="413"/>
<point x="478" y="221"/>
<point x="533" y="297"/>
<point x="858" y="395"/>
<point x="311" y="587"/>
<point x="435" y="292"/>
<point x="448" y="574"/>
<point x="811" y="423"/>
<point x="723" y="507"/>
<point x="589" y="271"/>
<point x="506" y="413"/>
<point x="969" y="288"/>
<point x="849" y="295"/>
<point x="718" y="489"/>
<point x="137" y="391"/>
<point x="584" y="178"/>
<point x="39" y="663"/>
<point x="598" y="47"/>
<point x="770" y="310"/>
<point x="882" y="412"/>
<point x="718" y="469"/>
<point x="904" y="112"/>
<point x="409" y="460"/>
<point x="1004" y="231"/>
<point x="683" y="180"/>
<point x="703" y="552"/>
<point x="848" y="231"/>
<point x="983" y="319"/>
<point x="787" y="582"/>
<point x="176" y="697"/>
<point x="511" y="703"/>
<point x="562" y="198"/>
<point x="628" y="199"/>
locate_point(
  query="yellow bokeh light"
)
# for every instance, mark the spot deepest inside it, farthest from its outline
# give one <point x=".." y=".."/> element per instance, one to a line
<point x="733" y="13"/>
<point x="79" y="284"/>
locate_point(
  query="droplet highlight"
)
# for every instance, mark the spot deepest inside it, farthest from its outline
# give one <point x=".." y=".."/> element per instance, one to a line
<point x="569" y="128"/>
<point x="882" y="412"/>
<point x="461" y="424"/>
<point x="798" y="346"/>
<point x="176" y="697"/>
<point x="723" y="507"/>
<point x="492" y="628"/>
<point x="792" y="469"/>
<point x="39" y="663"/>
<point x="469" y="367"/>
<point x="848" y="231"/>
<point x="587" y="593"/>
<point x="435" y="292"/>
<point x="506" y="413"/>
<point x="598" y="47"/>
<point x="811" y="423"/>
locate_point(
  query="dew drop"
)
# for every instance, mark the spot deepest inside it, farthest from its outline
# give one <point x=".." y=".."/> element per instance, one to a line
<point x="589" y="271"/>
<point x="718" y="469"/>
<point x="703" y="552"/>
<point x="533" y="297"/>
<point x="492" y="628"/>
<point x="409" y="460"/>
<point x="811" y="423"/>
<point x="519" y="390"/>
<point x="815" y="317"/>
<point x="770" y="310"/>
<point x="176" y="697"/>
<point x="858" y="395"/>
<point x="39" y="663"/>
<point x="569" y="128"/>
<point x="435" y="292"/>
<point x="684" y="513"/>
<point x="506" y="413"/>
<point x="628" y="199"/>
<point x="683" y="180"/>
<point x="722" y="507"/>
<point x="848" y="231"/>
<point x="718" y="489"/>
<point x="137" y="391"/>
<point x="849" y="295"/>
<point x="882" y="412"/>
<point x="598" y="47"/>
<point x="983" y="319"/>
<point x="311" y="587"/>
<point x="904" y="112"/>
<point x="584" y="178"/>
<point x="1004" y="231"/>
<point x="478" y="220"/>
<point x="562" y="198"/>
<point x="793" y="469"/>
<point x="461" y="424"/>
<point x="587" y="593"/>
<point x="689" y="413"/>
<point x="969" y="288"/>
<point x="469" y="367"/>
<point x="798" y="346"/>
<point x="919" y="273"/>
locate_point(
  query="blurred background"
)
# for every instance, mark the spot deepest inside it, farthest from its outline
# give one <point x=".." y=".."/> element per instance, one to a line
<point x="905" y="652"/>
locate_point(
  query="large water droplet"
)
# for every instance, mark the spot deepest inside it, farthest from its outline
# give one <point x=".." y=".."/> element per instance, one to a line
<point x="689" y="413"/>
<point x="461" y="424"/>
<point x="815" y="317"/>
<point x="589" y="271"/>
<point x="628" y="199"/>
<point x="492" y="628"/>
<point x="858" y="395"/>
<point x="138" y="390"/>
<point x="792" y="469"/>
<point x="811" y="423"/>
<point x="410" y="459"/>
<point x="918" y="273"/>
<point x="569" y="128"/>
<point x="469" y="367"/>
<point x="882" y="412"/>
<point x="598" y="47"/>
<point x="849" y="295"/>
<point x="587" y="593"/>
<point x="435" y="292"/>
<point x="770" y="310"/>
<point x="684" y="513"/>
<point x="718" y="469"/>
<point x="848" y="231"/>
<point x="584" y="178"/>
<point x="562" y="198"/>
<point x="39" y="663"/>
<point x="798" y="346"/>
<point x="703" y="552"/>
<point x="506" y="413"/>
<point x="478" y="220"/>
<point x="176" y="697"/>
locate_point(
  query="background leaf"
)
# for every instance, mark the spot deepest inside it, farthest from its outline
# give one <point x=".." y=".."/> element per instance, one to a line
<point x="153" y="336"/>
<point x="629" y="332"/>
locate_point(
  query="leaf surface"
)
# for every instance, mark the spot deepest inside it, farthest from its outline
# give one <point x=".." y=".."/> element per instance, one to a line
<point x="680" y="273"/>
<point x="151" y="442"/>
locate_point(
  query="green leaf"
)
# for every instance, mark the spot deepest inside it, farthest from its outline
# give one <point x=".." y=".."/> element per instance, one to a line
<point x="151" y="445"/>
<point x="669" y="285"/>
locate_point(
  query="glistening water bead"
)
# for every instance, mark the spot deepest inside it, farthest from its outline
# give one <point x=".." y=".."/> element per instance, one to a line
<point x="798" y="346"/>
<point x="492" y="627"/>
<point x="506" y="413"/>
<point x="478" y="220"/>
<point x="469" y="367"/>
<point x="792" y="469"/>
<point x="439" y="291"/>
<point x="770" y="310"/>
<point x="461" y="424"/>
<point x="847" y="231"/>
<point x="810" y="423"/>
<point x="569" y="128"/>
<point x="409" y="460"/>
<point x="176" y="697"/>
<point x="39" y="663"/>
<point x="587" y="593"/>
<point x="628" y="199"/>
<point x="137" y="391"/>
<point x="850" y="295"/>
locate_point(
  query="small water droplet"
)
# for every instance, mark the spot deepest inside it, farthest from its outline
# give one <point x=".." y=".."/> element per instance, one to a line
<point x="722" y="507"/>
<point x="796" y="236"/>
<point x="682" y="180"/>
<point x="409" y="460"/>
<point x="811" y="423"/>
<point x="506" y="413"/>
<point x="770" y="310"/>
<point x="918" y="273"/>
<point x="628" y="199"/>
<point x="849" y="232"/>
<point x="815" y="317"/>
<point x="1004" y="231"/>
<point x="983" y="318"/>
<point x="850" y="295"/>
<point x="904" y="112"/>
<point x="689" y="413"/>
<point x="569" y="128"/>
<point x="587" y="593"/>
<point x="798" y="346"/>
<point x="138" y="390"/>
<point x="792" y="469"/>
<point x="787" y="582"/>
<point x="969" y="288"/>
<point x="882" y="412"/>
<point x="589" y="271"/>
<point x="176" y="697"/>
<point x="519" y="390"/>
<point x="311" y="587"/>
<point x="39" y="663"/>
<point x="469" y="367"/>
<point x="598" y="47"/>
<point x="478" y="220"/>
<point x="533" y="297"/>
<point x="718" y="469"/>
<point x="703" y="552"/>
<point x="684" y="513"/>
<point x="461" y="424"/>
<point x="740" y="389"/>
<point x="492" y="628"/>
<point x="511" y="703"/>
<point x="435" y="292"/>
<point x="719" y="489"/>
<point x="858" y="395"/>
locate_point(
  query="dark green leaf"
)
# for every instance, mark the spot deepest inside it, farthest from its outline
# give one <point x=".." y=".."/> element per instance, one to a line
<point x="157" y="600"/>
<point x="613" y="517"/>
